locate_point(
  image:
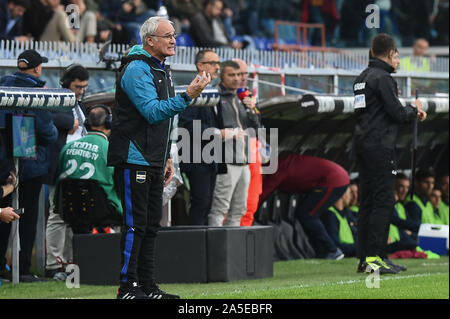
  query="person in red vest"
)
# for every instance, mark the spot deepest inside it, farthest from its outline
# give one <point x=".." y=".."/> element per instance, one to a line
<point x="323" y="182"/>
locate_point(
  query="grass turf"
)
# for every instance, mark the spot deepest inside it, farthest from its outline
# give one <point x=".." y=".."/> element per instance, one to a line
<point x="297" y="279"/>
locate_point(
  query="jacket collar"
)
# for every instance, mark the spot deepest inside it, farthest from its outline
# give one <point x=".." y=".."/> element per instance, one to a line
<point x="137" y="52"/>
<point x="30" y="79"/>
<point x="377" y="63"/>
<point x="99" y="133"/>
<point x="225" y="91"/>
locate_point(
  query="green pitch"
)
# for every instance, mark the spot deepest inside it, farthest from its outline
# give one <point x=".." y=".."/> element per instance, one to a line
<point x="298" y="279"/>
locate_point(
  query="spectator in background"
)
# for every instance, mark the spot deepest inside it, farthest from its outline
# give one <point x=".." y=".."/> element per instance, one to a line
<point x="227" y="19"/>
<point x="128" y="15"/>
<point x="443" y="207"/>
<point x="182" y="11"/>
<point x="207" y="29"/>
<point x="230" y="193"/>
<point x="70" y="127"/>
<point x="35" y="19"/>
<point x="87" y="29"/>
<point x="341" y="225"/>
<point x="323" y="12"/>
<point x="352" y="22"/>
<point x="57" y="27"/>
<point x="202" y="176"/>
<point x="418" y="62"/>
<point x="11" y="15"/>
<point x="439" y="33"/>
<point x="31" y="172"/>
<point x="323" y="182"/>
<point x="387" y="23"/>
<point x="404" y="14"/>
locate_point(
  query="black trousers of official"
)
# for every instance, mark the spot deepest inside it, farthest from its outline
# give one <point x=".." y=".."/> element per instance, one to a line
<point x="377" y="185"/>
<point x="140" y="190"/>
<point x="202" y="180"/>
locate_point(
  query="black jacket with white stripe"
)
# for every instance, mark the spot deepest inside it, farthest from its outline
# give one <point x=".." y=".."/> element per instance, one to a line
<point x="377" y="107"/>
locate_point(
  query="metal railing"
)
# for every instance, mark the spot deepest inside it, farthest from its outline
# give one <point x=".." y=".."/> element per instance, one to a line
<point x="63" y="53"/>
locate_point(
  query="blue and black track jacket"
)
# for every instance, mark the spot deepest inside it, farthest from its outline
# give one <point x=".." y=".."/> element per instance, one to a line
<point x="142" y="116"/>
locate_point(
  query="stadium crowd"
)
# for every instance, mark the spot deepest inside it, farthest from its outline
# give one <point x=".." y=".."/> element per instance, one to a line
<point x="233" y="23"/>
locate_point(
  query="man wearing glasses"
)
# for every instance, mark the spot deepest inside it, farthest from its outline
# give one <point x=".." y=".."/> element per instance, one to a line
<point x="139" y="150"/>
<point x="70" y="127"/>
<point x="202" y="176"/>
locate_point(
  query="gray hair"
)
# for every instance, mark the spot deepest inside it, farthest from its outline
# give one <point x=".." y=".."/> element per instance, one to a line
<point x="150" y="26"/>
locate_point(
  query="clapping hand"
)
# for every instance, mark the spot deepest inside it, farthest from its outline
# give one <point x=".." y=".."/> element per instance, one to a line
<point x="198" y="84"/>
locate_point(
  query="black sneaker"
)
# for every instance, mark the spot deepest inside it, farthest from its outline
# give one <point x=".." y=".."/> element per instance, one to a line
<point x="156" y="293"/>
<point x="362" y="266"/>
<point x="395" y="266"/>
<point x="30" y="278"/>
<point x="131" y="291"/>
<point x="377" y="264"/>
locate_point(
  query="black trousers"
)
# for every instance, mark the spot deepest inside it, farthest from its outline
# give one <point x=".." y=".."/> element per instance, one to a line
<point x="5" y="230"/>
<point x="202" y="180"/>
<point x="377" y="185"/>
<point x="140" y="190"/>
<point x="29" y="191"/>
<point x="28" y="200"/>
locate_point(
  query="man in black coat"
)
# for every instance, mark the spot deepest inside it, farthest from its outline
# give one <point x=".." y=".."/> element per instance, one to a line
<point x="202" y="176"/>
<point x="378" y="115"/>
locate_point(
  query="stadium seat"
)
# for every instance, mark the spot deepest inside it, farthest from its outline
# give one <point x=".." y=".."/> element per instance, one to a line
<point x="301" y="240"/>
<point x="185" y="40"/>
<point x="283" y="232"/>
<point x="83" y="203"/>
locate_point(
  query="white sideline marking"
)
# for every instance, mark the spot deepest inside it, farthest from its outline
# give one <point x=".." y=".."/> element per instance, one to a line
<point x="348" y="282"/>
<point x="432" y="264"/>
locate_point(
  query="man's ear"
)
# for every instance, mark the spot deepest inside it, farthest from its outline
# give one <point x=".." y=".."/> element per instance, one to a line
<point x="391" y="54"/>
<point x="150" y="41"/>
<point x="36" y="70"/>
